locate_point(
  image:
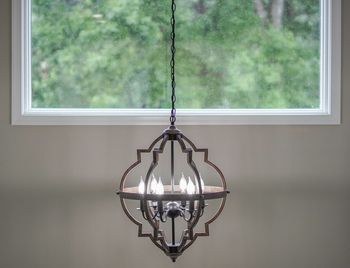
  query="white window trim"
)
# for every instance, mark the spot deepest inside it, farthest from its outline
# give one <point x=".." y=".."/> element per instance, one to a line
<point x="328" y="114"/>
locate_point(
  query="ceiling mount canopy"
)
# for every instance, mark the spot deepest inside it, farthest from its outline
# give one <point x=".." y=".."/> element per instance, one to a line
<point x="172" y="209"/>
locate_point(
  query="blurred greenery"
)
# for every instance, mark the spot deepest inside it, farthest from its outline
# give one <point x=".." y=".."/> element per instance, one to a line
<point x="230" y="53"/>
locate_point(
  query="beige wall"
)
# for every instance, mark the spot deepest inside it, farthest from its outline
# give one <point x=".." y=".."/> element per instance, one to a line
<point x="289" y="205"/>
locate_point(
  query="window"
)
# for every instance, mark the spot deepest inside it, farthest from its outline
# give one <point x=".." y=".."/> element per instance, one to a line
<point x="238" y="62"/>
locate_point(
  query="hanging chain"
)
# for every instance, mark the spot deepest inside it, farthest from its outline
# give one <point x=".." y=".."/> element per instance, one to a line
<point x="172" y="63"/>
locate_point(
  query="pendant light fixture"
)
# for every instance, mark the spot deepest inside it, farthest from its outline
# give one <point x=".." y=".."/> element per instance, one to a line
<point x="173" y="211"/>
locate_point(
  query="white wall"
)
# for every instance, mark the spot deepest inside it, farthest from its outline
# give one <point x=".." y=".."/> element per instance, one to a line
<point x="289" y="206"/>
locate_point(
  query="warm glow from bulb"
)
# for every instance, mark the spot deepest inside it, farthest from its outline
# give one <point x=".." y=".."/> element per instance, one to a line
<point x="153" y="184"/>
<point x="160" y="187"/>
<point x="191" y="189"/>
<point x="183" y="184"/>
<point x="202" y="182"/>
<point x="141" y="186"/>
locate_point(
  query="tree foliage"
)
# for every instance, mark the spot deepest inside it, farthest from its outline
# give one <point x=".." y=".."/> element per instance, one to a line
<point x="230" y="53"/>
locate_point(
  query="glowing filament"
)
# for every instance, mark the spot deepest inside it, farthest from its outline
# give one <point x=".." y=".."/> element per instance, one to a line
<point x="183" y="184"/>
<point x="191" y="189"/>
<point x="160" y="187"/>
<point x="153" y="184"/>
<point x="202" y="182"/>
<point x="141" y="186"/>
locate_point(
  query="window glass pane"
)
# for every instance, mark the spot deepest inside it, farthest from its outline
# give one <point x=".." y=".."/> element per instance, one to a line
<point x="230" y="54"/>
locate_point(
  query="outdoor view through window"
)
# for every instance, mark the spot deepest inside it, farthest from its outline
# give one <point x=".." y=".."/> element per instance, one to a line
<point x="230" y="54"/>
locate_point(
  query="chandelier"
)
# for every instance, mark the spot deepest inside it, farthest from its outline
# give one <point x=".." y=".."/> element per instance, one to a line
<point x="180" y="201"/>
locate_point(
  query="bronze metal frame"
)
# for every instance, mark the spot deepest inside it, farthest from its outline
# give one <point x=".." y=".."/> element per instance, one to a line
<point x="173" y="249"/>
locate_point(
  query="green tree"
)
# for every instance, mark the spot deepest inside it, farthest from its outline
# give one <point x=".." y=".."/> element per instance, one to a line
<point x="230" y="54"/>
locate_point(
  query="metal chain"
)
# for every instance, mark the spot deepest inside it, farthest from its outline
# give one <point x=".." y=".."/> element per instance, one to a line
<point x="172" y="63"/>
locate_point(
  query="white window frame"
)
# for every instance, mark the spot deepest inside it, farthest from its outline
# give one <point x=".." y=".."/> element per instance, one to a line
<point x="329" y="112"/>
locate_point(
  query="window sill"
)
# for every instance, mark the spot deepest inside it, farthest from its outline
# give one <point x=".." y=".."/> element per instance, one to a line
<point x="184" y="117"/>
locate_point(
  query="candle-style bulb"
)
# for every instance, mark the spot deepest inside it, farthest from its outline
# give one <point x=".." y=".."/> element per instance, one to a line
<point x="153" y="184"/>
<point x="202" y="182"/>
<point x="141" y="186"/>
<point x="191" y="189"/>
<point x="183" y="184"/>
<point x="160" y="187"/>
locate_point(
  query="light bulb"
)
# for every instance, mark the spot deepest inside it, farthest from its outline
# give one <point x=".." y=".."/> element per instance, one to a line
<point x="141" y="186"/>
<point x="183" y="184"/>
<point x="153" y="184"/>
<point x="160" y="187"/>
<point x="196" y="184"/>
<point x="190" y="187"/>
<point x="202" y="182"/>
